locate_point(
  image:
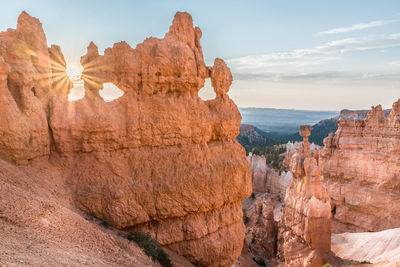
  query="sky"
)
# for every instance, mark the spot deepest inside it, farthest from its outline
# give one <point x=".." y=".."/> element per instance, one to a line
<point x="315" y="55"/>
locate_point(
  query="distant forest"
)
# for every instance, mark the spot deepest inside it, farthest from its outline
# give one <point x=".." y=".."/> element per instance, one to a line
<point x="318" y="132"/>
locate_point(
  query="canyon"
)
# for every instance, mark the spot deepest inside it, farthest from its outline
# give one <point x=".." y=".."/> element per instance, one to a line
<point x="148" y="161"/>
<point x="356" y="172"/>
<point x="75" y="176"/>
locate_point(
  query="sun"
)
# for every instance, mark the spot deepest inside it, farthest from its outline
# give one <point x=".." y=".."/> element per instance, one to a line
<point x="72" y="71"/>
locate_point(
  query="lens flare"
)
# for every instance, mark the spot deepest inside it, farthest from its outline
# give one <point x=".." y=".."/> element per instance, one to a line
<point x="72" y="71"/>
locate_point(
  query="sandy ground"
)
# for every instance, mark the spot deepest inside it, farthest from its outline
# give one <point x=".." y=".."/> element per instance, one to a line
<point x="40" y="227"/>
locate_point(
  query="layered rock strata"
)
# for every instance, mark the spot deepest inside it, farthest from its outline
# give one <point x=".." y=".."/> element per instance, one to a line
<point x="266" y="179"/>
<point x="158" y="159"/>
<point x="307" y="216"/>
<point x="361" y="170"/>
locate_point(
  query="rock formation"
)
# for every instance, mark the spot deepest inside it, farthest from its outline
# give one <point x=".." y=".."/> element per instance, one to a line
<point x="267" y="179"/>
<point x="307" y="216"/>
<point x="346" y="114"/>
<point x="360" y="166"/>
<point x="261" y="228"/>
<point x="24" y="133"/>
<point x="259" y="173"/>
<point x="158" y="159"/>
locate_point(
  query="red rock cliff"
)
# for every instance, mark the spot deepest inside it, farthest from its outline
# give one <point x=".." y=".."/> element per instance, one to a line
<point x="158" y="159"/>
<point x="361" y="170"/>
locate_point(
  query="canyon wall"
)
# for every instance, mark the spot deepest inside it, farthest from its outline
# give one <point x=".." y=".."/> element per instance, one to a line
<point x="307" y="215"/>
<point x="360" y="165"/>
<point x="158" y="159"/>
<point x="267" y="179"/>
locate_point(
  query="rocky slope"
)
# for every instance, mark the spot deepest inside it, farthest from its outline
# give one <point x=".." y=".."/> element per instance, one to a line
<point x="39" y="227"/>
<point x="379" y="248"/>
<point x="150" y="160"/>
<point x="250" y="136"/>
<point x="360" y="166"/>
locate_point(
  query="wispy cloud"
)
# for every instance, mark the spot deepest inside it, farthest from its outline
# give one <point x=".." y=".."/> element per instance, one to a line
<point x="277" y="76"/>
<point x="308" y="64"/>
<point x="395" y="63"/>
<point x="314" y="76"/>
<point x="360" y="26"/>
<point x="315" y="56"/>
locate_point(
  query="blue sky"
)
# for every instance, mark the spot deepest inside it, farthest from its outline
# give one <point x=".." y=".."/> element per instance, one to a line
<point x="321" y="55"/>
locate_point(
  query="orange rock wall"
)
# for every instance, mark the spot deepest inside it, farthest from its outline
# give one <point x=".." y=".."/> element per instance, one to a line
<point x="157" y="159"/>
<point x="360" y="164"/>
<point x="24" y="133"/>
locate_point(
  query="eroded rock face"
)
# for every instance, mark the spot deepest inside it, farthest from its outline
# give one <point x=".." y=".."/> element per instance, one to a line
<point x="267" y="179"/>
<point x="360" y="166"/>
<point x="158" y="159"/>
<point x="307" y="216"/>
<point x="24" y="133"/>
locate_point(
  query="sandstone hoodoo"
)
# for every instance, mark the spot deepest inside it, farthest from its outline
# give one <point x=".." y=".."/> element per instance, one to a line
<point x="150" y="160"/>
<point x="24" y="133"/>
<point x="360" y="166"/>
<point x="307" y="216"/>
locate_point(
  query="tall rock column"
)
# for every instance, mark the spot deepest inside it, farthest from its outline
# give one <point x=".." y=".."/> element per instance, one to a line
<point x="307" y="237"/>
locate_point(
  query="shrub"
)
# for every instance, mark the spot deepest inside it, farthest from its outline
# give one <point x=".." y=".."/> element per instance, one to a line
<point x="274" y="155"/>
<point x="151" y="247"/>
<point x="260" y="261"/>
<point x="252" y="196"/>
<point x="326" y="265"/>
<point x="245" y="218"/>
<point x="105" y="224"/>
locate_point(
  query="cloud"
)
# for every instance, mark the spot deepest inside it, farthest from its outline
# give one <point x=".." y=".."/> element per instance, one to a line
<point x="382" y="76"/>
<point x="277" y="76"/>
<point x="360" y="43"/>
<point x="360" y="26"/>
<point x="298" y="57"/>
<point x="395" y="63"/>
<point x="315" y="56"/>
<point x="320" y="75"/>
